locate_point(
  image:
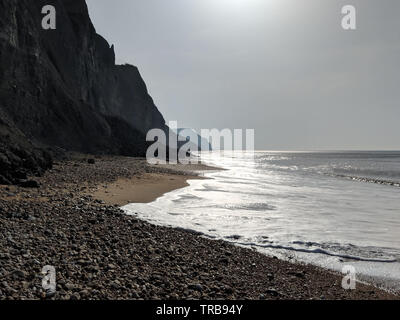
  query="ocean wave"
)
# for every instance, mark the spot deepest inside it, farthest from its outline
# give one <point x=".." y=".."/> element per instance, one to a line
<point x="392" y="173"/>
<point x="369" y="180"/>
<point x="185" y="197"/>
<point x="329" y="252"/>
<point x="259" y="206"/>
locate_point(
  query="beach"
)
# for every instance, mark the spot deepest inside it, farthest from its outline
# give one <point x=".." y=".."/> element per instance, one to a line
<point x="148" y="186"/>
<point x="73" y="222"/>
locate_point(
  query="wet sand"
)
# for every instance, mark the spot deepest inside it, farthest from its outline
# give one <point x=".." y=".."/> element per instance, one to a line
<point x="147" y="187"/>
<point x="142" y="189"/>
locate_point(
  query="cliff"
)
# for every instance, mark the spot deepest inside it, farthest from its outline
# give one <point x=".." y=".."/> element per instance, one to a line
<point x="61" y="88"/>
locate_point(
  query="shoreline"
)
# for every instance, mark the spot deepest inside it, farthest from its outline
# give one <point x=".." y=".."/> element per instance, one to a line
<point x="144" y="189"/>
<point x="149" y="186"/>
<point x="101" y="253"/>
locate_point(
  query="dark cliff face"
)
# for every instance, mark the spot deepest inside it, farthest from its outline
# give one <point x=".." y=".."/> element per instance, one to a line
<point x="62" y="88"/>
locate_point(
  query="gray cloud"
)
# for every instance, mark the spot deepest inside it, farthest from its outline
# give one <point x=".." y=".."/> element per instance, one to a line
<point x="283" y="67"/>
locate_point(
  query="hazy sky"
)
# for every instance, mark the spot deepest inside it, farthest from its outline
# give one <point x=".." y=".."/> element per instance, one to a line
<point x="283" y="67"/>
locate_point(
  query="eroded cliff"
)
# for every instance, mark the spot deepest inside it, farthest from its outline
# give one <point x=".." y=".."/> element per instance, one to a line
<point x="61" y="88"/>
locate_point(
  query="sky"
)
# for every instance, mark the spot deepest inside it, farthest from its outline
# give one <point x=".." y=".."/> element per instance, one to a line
<point x="285" y="68"/>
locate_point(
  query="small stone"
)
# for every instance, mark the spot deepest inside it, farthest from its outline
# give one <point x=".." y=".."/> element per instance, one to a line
<point x="115" y="285"/>
<point x="228" y="290"/>
<point x="272" y="292"/>
<point x="84" y="293"/>
<point x="19" y="273"/>
<point x="197" y="287"/>
<point x="4" y="256"/>
<point x="224" y="260"/>
<point x="50" y="293"/>
<point x="297" y="274"/>
<point x="69" y="286"/>
<point x="75" y="296"/>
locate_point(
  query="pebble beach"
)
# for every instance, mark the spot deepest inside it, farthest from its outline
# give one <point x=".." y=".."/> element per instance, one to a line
<point x="100" y="253"/>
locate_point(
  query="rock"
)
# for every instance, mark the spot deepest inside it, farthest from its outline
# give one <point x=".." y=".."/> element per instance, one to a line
<point x="75" y="296"/>
<point x="115" y="285"/>
<point x="69" y="286"/>
<point x="135" y="295"/>
<point x="272" y="292"/>
<point x="84" y="293"/>
<point x="82" y="262"/>
<point x="197" y="287"/>
<point x="228" y="290"/>
<point x="65" y="97"/>
<point x="228" y="253"/>
<point x="50" y="293"/>
<point x="91" y="161"/>
<point x="224" y="260"/>
<point x="297" y="274"/>
<point x="29" y="184"/>
<point x="19" y="274"/>
<point x="4" y="256"/>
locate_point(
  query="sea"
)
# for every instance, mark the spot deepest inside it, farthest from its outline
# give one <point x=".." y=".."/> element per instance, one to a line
<point x="330" y="209"/>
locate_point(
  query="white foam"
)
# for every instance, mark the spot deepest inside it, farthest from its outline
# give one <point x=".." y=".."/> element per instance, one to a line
<point x="288" y="205"/>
